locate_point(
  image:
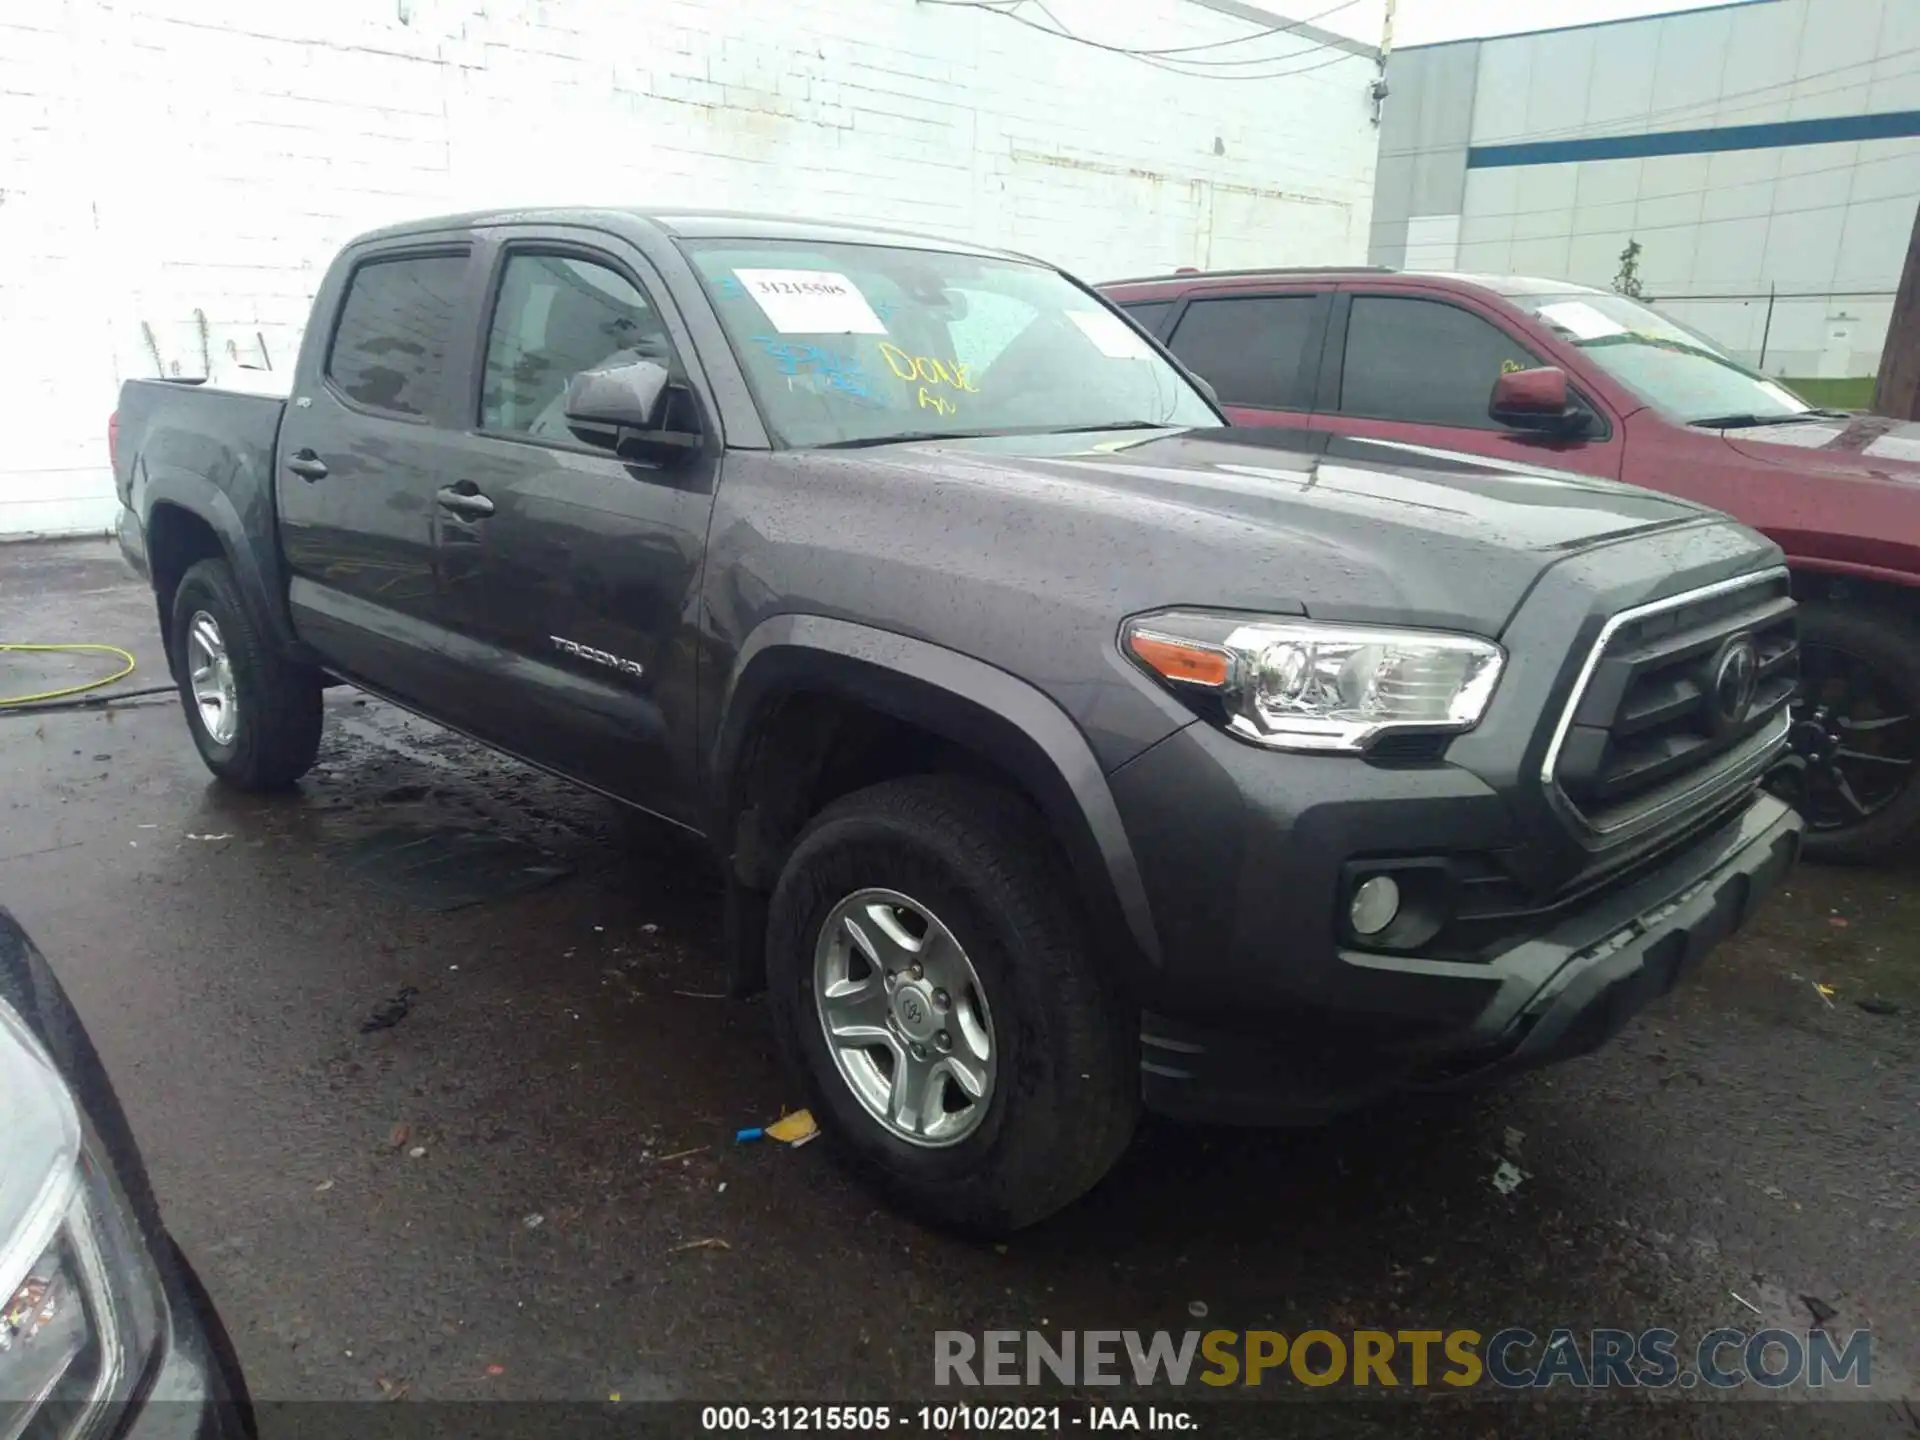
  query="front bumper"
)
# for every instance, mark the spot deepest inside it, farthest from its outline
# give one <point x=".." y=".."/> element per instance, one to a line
<point x="1548" y="998"/>
<point x="194" y="1388"/>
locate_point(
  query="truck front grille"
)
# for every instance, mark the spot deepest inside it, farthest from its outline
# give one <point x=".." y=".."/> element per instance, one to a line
<point x="1681" y="703"/>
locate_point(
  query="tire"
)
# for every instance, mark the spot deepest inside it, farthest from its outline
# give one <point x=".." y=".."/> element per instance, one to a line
<point x="1843" y="647"/>
<point x="1064" y="1090"/>
<point x="274" y="714"/>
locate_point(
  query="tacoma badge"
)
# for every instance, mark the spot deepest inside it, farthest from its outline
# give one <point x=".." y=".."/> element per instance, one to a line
<point x="598" y="657"/>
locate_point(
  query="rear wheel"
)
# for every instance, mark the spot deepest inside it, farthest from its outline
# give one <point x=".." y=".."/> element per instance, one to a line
<point x="1856" y="732"/>
<point x="931" y="981"/>
<point x="254" y="715"/>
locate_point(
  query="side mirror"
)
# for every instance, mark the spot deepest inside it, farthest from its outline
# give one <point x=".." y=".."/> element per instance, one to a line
<point x="635" y="402"/>
<point x="623" y="397"/>
<point x="1205" y="387"/>
<point x="1539" y="401"/>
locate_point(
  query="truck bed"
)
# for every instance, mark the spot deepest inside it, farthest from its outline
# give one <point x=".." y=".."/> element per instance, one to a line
<point x="226" y="436"/>
<point x="186" y="454"/>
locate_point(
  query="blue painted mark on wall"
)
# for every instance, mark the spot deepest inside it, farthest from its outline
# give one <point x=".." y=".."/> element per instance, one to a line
<point x="1833" y="129"/>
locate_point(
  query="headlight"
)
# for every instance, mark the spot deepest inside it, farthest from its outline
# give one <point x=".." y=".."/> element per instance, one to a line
<point x="1309" y="685"/>
<point x="79" y="1306"/>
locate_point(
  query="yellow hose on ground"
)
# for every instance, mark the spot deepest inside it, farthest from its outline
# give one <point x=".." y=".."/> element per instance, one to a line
<point x="81" y="689"/>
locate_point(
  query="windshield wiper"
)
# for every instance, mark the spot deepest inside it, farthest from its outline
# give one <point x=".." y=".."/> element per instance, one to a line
<point x="1116" y="425"/>
<point x="908" y="437"/>
<point x="1744" y="422"/>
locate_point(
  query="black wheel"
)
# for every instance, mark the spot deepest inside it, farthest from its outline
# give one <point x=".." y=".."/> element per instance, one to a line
<point x="930" y="980"/>
<point x="255" y="716"/>
<point x="1856" y="732"/>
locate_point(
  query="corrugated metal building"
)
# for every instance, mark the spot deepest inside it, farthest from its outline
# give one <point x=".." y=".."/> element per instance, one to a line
<point x="1765" y="155"/>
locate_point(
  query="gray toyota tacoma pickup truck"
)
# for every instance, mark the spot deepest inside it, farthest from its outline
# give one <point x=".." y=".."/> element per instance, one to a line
<point x="1064" y="750"/>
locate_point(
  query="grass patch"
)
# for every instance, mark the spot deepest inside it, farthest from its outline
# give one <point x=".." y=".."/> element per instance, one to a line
<point x="1855" y="392"/>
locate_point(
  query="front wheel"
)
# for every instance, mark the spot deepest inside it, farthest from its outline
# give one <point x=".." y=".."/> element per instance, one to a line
<point x="931" y="982"/>
<point x="1856" y="732"/>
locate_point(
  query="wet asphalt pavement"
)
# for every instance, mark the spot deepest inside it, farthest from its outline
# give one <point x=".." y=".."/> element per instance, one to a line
<point x="525" y="1186"/>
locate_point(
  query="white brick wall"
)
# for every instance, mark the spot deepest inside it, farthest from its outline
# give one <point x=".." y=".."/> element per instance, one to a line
<point x="167" y="160"/>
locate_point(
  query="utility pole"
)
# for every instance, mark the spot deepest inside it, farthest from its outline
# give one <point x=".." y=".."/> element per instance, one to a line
<point x="1898" y="391"/>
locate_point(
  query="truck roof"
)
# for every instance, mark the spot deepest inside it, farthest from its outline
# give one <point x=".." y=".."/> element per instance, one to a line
<point x="1498" y="284"/>
<point x="689" y="224"/>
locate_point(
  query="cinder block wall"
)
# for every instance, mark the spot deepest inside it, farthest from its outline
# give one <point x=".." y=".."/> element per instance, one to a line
<point x="175" y="174"/>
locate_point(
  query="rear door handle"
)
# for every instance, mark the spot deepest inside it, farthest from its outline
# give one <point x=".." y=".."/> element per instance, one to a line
<point x="467" y="502"/>
<point x="307" y="465"/>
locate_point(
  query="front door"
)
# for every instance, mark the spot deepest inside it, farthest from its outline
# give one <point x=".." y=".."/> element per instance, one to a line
<point x="568" y="574"/>
<point x="1420" y="372"/>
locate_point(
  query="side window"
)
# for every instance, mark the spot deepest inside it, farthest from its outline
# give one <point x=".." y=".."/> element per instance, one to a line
<point x="389" y="350"/>
<point x="1424" y="361"/>
<point x="1150" y="313"/>
<point x="555" y="317"/>
<point x="1252" y="349"/>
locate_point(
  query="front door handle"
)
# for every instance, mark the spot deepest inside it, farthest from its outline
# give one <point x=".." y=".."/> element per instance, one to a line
<point x="307" y="465"/>
<point x="463" y="500"/>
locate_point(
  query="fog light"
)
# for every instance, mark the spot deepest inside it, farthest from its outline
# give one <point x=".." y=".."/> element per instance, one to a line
<point x="1375" y="903"/>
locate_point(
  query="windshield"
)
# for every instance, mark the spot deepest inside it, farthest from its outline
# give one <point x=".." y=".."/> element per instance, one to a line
<point x="860" y="344"/>
<point x="1676" y="370"/>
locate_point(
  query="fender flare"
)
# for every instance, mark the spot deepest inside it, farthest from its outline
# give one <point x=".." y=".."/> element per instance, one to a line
<point x="971" y="704"/>
<point x="260" y="582"/>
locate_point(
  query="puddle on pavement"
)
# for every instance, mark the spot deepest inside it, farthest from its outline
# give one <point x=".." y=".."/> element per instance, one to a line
<point x="445" y="868"/>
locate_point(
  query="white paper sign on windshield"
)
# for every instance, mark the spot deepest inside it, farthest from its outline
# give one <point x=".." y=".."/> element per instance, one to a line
<point x="1110" y="335"/>
<point x="1581" y="320"/>
<point x="811" y="302"/>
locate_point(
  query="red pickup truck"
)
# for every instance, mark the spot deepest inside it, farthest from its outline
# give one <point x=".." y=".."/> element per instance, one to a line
<point x="1548" y="372"/>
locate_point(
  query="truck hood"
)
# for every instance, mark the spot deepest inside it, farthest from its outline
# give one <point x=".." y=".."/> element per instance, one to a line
<point x="1244" y="518"/>
<point x="1864" y="446"/>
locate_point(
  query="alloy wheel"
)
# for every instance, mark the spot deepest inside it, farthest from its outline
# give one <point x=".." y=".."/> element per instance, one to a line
<point x="905" y="1017"/>
<point x="211" y="674"/>
<point x="1854" y="740"/>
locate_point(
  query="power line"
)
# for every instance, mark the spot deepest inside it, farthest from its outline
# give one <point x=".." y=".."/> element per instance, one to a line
<point x="1154" y="58"/>
<point x="1582" y="132"/>
<point x="1291" y="27"/>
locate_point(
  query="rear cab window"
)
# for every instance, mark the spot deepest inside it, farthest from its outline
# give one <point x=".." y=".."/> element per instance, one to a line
<point x="389" y="347"/>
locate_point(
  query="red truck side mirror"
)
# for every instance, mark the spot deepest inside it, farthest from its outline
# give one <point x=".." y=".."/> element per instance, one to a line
<point x="1538" y="400"/>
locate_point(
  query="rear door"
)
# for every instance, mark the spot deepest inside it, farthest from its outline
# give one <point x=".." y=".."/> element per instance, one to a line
<point x="569" y="575"/>
<point x="1261" y="353"/>
<point x="1419" y="370"/>
<point x="361" y="455"/>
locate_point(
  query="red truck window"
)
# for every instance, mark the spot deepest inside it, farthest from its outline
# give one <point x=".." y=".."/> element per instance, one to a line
<point x="1424" y="361"/>
<point x="1151" y="314"/>
<point x="1253" y="349"/>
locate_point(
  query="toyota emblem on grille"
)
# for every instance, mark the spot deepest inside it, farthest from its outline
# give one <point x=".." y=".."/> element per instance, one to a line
<point x="1736" y="675"/>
